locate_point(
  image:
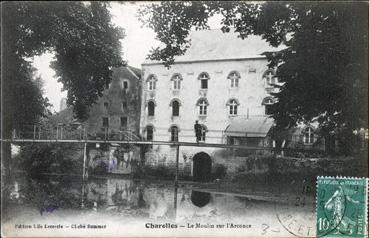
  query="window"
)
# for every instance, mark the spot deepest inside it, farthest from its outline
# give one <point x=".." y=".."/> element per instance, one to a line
<point x="308" y="135"/>
<point x="233" y="106"/>
<point x="204" y="77"/>
<point x="175" y="108"/>
<point x="233" y="78"/>
<point x="151" y="108"/>
<point x="174" y="133"/>
<point x="268" y="103"/>
<point x="176" y="81"/>
<point x="123" y="122"/>
<point x="230" y="140"/>
<point x="270" y="78"/>
<point x="124" y="106"/>
<point x="125" y="84"/>
<point x="149" y="133"/>
<point x="203" y="106"/>
<point x="105" y="122"/>
<point x="204" y="84"/>
<point x="151" y="82"/>
<point x="106" y="105"/>
<point x="203" y="132"/>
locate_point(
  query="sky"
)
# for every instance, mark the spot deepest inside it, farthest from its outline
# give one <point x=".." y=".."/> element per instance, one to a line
<point x="136" y="45"/>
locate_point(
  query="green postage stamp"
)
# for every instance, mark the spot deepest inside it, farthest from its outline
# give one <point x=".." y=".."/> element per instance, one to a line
<point x="342" y="204"/>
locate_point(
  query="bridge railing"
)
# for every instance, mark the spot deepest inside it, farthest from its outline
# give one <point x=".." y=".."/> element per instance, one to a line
<point x="71" y="132"/>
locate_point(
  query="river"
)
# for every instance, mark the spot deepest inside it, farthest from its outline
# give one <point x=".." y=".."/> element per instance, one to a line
<point x="108" y="206"/>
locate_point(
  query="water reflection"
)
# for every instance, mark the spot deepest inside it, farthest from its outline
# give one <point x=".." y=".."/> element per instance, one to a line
<point x="14" y="194"/>
<point x="134" y="199"/>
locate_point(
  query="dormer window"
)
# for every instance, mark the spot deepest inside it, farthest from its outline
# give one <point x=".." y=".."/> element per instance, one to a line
<point x="269" y="77"/>
<point x="234" y="77"/>
<point x="176" y="82"/>
<point x="151" y="82"/>
<point x="204" y="77"/>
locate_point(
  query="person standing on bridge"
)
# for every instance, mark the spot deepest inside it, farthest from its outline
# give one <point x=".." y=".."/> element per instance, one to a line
<point x="198" y="129"/>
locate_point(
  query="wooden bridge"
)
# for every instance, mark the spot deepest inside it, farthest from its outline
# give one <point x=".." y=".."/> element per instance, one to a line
<point x="79" y="134"/>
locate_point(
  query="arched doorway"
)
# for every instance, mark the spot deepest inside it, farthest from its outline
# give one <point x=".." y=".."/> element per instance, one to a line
<point x="201" y="167"/>
<point x="200" y="199"/>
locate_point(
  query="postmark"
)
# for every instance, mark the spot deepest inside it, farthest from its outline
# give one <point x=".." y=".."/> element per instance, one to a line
<point x="297" y="216"/>
<point x="295" y="213"/>
<point x="341" y="207"/>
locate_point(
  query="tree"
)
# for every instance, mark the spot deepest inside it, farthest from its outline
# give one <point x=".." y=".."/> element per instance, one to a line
<point x="39" y="158"/>
<point x="323" y="64"/>
<point x="86" y="47"/>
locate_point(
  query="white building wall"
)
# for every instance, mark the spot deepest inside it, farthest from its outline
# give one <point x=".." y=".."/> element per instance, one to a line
<point x="250" y="93"/>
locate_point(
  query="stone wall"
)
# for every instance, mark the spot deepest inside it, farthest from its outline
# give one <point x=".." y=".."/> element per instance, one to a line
<point x="254" y="163"/>
<point x="110" y="105"/>
<point x="165" y="156"/>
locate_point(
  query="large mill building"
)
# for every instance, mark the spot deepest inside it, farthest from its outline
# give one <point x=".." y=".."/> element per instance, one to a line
<point x="225" y="84"/>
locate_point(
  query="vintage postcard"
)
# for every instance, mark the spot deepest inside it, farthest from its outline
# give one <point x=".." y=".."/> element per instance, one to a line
<point x="184" y="119"/>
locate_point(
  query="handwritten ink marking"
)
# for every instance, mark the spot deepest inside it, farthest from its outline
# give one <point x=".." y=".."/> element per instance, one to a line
<point x="48" y="209"/>
<point x="265" y="227"/>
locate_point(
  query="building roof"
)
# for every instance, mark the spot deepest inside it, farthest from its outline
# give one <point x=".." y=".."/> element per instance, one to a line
<point x="252" y="127"/>
<point x="137" y="72"/>
<point x="128" y="71"/>
<point x="213" y="45"/>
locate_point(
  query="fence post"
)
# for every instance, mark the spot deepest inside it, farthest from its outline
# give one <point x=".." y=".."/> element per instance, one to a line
<point x="175" y="203"/>
<point x="84" y="161"/>
<point x="34" y="132"/>
<point x="83" y="195"/>
<point x="57" y="132"/>
<point x="84" y="174"/>
<point x="177" y="161"/>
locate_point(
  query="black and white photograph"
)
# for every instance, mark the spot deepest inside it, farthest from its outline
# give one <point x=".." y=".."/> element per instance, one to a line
<point x="184" y="119"/>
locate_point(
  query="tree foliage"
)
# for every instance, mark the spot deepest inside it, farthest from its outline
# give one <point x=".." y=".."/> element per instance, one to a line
<point x="40" y="158"/>
<point x="86" y="47"/>
<point x="323" y="64"/>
